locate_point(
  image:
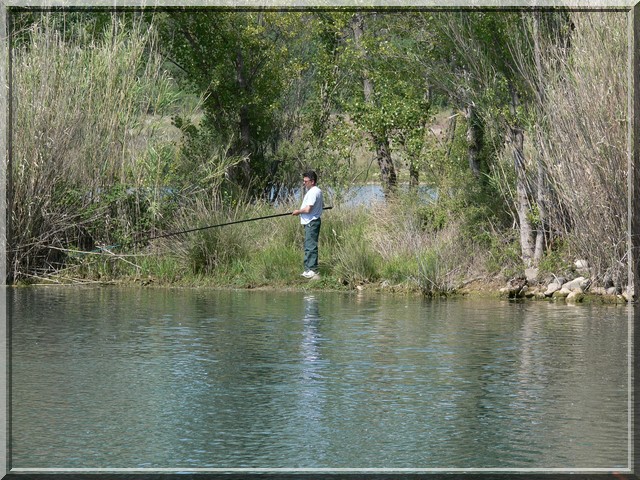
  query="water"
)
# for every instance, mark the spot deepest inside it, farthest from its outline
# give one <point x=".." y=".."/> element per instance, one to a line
<point x="154" y="378"/>
<point x="356" y="195"/>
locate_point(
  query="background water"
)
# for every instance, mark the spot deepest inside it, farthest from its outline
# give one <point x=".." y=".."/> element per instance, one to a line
<point x="152" y="378"/>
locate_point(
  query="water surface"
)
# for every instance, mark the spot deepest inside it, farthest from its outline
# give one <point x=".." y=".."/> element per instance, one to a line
<point x="155" y="378"/>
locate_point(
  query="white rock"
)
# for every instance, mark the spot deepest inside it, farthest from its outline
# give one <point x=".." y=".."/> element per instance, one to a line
<point x="551" y="288"/>
<point x="575" y="283"/>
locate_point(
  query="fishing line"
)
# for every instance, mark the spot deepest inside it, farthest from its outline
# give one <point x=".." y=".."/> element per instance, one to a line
<point x="171" y="234"/>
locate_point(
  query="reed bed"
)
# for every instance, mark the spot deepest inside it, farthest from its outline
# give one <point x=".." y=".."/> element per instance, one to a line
<point x="83" y="140"/>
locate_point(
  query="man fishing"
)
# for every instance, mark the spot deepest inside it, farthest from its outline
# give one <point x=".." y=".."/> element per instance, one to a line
<point x="310" y="213"/>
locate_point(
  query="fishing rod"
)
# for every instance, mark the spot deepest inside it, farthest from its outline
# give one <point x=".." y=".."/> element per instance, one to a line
<point x="171" y="234"/>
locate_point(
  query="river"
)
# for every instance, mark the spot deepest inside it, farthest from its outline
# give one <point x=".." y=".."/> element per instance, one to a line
<point x="204" y="380"/>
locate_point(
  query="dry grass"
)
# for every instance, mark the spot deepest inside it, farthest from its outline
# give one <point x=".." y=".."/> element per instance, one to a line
<point x="78" y="163"/>
<point x="584" y="142"/>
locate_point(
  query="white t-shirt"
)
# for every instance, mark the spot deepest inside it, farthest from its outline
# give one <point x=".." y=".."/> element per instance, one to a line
<point x="313" y="197"/>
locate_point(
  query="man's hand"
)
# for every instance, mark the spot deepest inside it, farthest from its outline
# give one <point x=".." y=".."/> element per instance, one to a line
<point x="306" y="209"/>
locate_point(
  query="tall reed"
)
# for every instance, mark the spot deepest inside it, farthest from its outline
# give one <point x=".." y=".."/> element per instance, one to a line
<point x="584" y="142"/>
<point x="80" y="104"/>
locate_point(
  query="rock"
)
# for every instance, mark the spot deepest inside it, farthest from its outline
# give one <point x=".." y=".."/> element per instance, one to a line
<point x="575" y="297"/>
<point x="512" y="292"/>
<point x="575" y="283"/>
<point x="586" y="285"/>
<point x="562" y="293"/>
<point x="516" y="288"/>
<point x="581" y="264"/>
<point x="551" y="289"/>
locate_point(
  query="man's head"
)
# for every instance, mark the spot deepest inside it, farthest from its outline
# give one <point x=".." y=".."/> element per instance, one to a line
<point x="309" y="178"/>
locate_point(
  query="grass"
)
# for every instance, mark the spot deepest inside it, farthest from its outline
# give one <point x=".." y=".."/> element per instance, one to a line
<point x="361" y="246"/>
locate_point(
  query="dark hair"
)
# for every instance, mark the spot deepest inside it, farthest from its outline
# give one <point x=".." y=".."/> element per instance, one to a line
<point x="311" y="175"/>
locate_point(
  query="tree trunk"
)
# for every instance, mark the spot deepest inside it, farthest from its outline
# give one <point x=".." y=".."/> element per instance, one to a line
<point x="388" y="175"/>
<point x="541" y="187"/>
<point x="414" y="176"/>
<point x="522" y="198"/>
<point x="387" y="171"/>
<point x="244" y="122"/>
<point x="474" y="140"/>
<point x="541" y="200"/>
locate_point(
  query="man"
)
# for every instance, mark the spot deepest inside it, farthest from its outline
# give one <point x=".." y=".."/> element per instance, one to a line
<point x="310" y="213"/>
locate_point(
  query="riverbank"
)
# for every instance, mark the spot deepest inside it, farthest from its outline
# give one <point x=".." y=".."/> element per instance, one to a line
<point x="404" y="247"/>
<point x="573" y="292"/>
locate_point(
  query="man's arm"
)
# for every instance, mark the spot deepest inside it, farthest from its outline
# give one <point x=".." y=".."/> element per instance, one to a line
<point x="305" y="209"/>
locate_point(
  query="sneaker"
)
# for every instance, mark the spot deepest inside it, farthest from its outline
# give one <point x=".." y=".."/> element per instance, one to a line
<point x="305" y="274"/>
<point x="309" y="274"/>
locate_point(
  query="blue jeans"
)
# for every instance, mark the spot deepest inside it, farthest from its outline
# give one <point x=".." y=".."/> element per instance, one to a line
<point x="311" y="233"/>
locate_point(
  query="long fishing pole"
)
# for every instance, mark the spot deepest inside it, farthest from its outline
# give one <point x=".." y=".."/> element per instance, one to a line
<point x="171" y="234"/>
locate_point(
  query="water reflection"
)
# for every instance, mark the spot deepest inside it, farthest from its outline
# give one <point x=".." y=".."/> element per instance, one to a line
<point x="310" y="389"/>
<point x="310" y="339"/>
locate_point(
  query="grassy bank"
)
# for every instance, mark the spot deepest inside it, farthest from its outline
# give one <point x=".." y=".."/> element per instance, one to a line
<point x="393" y="246"/>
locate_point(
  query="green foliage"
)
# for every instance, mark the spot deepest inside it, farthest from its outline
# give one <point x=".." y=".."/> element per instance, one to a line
<point x="84" y="96"/>
<point x="503" y="254"/>
<point x="278" y="263"/>
<point x="239" y="63"/>
<point x="216" y="248"/>
<point x="433" y="217"/>
<point x="400" y="269"/>
<point x="433" y="277"/>
<point x="555" y="260"/>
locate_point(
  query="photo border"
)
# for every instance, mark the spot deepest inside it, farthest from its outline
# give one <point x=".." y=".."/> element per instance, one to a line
<point x="632" y="7"/>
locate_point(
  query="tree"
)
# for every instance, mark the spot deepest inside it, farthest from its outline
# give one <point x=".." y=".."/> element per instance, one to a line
<point x="378" y="131"/>
<point x="492" y="55"/>
<point x="239" y="63"/>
